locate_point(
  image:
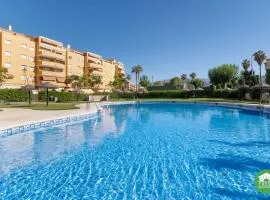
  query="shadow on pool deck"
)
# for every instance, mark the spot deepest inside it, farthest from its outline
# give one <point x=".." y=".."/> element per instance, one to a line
<point x="239" y="163"/>
<point x="243" y="144"/>
<point x="237" y="194"/>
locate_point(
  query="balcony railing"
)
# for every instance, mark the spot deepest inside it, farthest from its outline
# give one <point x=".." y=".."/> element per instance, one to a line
<point x="53" y="65"/>
<point x="120" y="67"/>
<point x="52" y="73"/>
<point x="50" y="41"/>
<point x="51" y="55"/>
<point x="96" y="74"/>
<point x="95" y="67"/>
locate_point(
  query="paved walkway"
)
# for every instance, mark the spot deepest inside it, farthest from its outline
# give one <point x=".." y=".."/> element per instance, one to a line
<point x="11" y="117"/>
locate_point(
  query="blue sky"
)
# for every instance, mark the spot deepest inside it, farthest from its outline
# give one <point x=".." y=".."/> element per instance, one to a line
<point x="167" y="38"/>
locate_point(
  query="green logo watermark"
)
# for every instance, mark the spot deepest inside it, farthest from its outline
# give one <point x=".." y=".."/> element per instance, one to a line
<point x="262" y="181"/>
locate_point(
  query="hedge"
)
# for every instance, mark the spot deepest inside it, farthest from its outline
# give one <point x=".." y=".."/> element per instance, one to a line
<point x="231" y="94"/>
<point x="18" y="95"/>
<point x="14" y="95"/>
<point x="63" y="96"/>
<point x="163" y="87"/>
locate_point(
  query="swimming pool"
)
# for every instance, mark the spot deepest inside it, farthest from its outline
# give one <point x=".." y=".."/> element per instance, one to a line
<point x="141" y="151"/>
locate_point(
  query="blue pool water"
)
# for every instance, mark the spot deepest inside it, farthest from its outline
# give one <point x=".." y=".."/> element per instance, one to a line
<point x="145" y="151"/>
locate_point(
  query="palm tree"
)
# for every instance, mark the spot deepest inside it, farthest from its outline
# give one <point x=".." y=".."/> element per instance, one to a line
<point x="137" y="69"/>
<point x="193" y="75"/>
<point x="260" y="57"/>
<point x="4" y="75"/>
<point x="246" y="65"/>
<point x="184" y="77"/>
<point x="94" y="83"/>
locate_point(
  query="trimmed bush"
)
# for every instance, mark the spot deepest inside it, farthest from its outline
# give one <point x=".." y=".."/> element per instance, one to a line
<point x="231" y="94"/>
<point x="13" y="95"/>
<point x="163" y="87"/>
<point x="63" y="96"/>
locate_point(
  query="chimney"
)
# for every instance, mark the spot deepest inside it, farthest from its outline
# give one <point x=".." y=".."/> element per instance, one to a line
<point x="68" y="46"/>
<point x="9" y="27"/>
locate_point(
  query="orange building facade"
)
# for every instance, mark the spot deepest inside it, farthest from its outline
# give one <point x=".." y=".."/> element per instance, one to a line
<point x="35" y="60"/>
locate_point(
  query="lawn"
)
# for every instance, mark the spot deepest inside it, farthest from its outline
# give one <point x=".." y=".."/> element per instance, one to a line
<point x="42" y="106"/>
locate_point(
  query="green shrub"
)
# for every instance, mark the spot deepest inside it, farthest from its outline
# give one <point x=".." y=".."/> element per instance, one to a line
<point x="63" y="96"/>
<point x="242" y="92"/>
<point x="255" y="93"/>
<point x="13" y="95"/>
<point x="232" y="94"/>
<point x="162" y="87"/>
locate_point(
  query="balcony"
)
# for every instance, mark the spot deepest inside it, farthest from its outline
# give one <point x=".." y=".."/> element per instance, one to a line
<point x="94" y="55"/>
<point x="52" y="65"/>
<point x="96" y="74"/>
<point x="50" y="42"/>
<point x="52" y="73"/>
<point x="120" y="66"/>
<point x="95" y="67"/>
<point x="52" y="56"/>
<point x="120" y="72"/>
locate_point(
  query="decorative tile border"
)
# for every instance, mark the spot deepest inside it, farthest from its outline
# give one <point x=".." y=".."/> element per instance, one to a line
<point x="46" y="124"/>
<point x="248" y="107"/>
<point x="54" y="122"/>
<point x="252" y="107"/>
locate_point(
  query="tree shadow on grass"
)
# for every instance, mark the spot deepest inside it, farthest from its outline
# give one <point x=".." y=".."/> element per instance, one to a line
<point x="240" y="163"/>
<point x="242" y="144"/>
<point x="238" y="194"/>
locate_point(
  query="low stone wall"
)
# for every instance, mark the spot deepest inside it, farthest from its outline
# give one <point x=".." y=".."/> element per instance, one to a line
<point x="97" y="98"/>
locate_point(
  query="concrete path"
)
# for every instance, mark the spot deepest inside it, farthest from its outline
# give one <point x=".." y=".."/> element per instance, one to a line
<point x="11" y="117"/>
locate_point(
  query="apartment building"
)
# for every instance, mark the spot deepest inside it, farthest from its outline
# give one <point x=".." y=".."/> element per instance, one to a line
<point x="119" y="67"/>
<point x="74" y="62"/>
<point x="109" y="73"/>
<point x="93" y="65"/>
<point x="35" y="60"/>
<point x="267" y="64"/>
<point x="17" y="54"/>
<point x="50" y="62"/>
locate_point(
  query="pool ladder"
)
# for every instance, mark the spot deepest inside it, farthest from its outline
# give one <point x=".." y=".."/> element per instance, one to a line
<point x="98" y="107"/>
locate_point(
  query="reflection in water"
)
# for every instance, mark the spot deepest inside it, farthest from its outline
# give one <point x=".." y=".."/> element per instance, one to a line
<point x="16" y="152"/>
<point x="155" y="151"/>
<point x="41" y="146"/>
<point x="108" y="124"/>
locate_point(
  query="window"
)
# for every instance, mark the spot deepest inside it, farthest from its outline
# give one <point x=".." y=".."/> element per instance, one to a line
<point x="7" y="65"/>
<point x="23" y="56"/>
<point x="24" y="46"/>
<point x="31" y="48"/>
<point x="7" y="41"/>
<point x="7" y="53"/>
<point x="24" y="67"/>
<point x="31" y="58"/>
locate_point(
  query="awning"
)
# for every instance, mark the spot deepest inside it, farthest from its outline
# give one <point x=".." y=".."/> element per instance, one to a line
<point x="48" y="78"/>
<point x="60" y="80"/>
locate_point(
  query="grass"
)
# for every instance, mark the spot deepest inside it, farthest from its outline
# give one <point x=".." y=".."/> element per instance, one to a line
<point x="195" y="100"/>
<point x="42" y="106"/>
